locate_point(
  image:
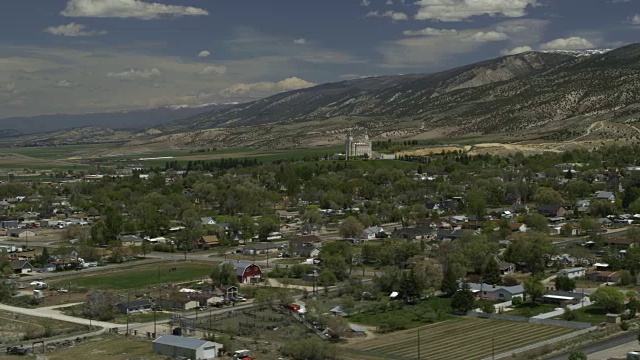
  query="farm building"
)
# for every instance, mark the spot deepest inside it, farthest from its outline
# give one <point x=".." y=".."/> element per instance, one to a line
<point x="496" y="292"/>
<point x="572" y="272"/>
<point x="207" y="242"/>
<point x="184" y="347"/>
<point x="247" y="272"/>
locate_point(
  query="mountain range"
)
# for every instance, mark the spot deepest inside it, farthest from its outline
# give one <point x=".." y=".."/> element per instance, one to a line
<point x="545" y="94"/>
<point x="116" y="120"/>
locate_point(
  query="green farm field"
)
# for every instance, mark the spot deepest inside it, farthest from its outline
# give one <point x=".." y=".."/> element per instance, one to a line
<point x="137" y="277"/>
<point x="460" y="338"/>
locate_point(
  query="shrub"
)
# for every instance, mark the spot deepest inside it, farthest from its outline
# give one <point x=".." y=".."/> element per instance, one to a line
<point x="516" y="301"/>
<point x="569" y="315"/>
<point x="624" y="326"/>
<point x="488" y="308"/>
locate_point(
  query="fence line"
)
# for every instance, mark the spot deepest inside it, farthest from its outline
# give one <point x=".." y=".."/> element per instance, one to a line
<point x="572" y="324"/>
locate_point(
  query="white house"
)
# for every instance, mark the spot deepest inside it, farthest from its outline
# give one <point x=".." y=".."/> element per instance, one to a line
<point x="572" y="272"/>
<point x="496" y="292"/>
<point x="207" y="221"/>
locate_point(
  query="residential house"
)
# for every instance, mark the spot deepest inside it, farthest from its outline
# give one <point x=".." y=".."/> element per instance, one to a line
<point x="260" y="248"/>
<point x="247" y="272"/>
<point x="448" y="235"/>
<point x="206" y="242"/>
<point x="285" y="215"/>
<point x="563" y="298"/>
<point x="603" y="276"/>
<point x="312" y="229"/>
<point x="605" y="222"/>
<point x="134" y="306"/>
<point x="207" y="220"/>
<point x="434" y="207"/>
<point x="372" y="232"/>
<point x="518" y="227"/>
<point x="583" y="206"/>
<point x="131" y="240"/>
<point x="21" y="266"/>
<point x="572" y="272"/>
<point x="520" y="208"/>
<point x="506" y="268"/>
<point x="302" y="244"/>
<point x="621" y="243"/>
<point x="552" y="210"/>
<point x="496" y="292"/>
<point x="407" y="233"/>
<point x="177" y="301"/>
<point x="605" y="195"/>
<point x="175" y="347"/>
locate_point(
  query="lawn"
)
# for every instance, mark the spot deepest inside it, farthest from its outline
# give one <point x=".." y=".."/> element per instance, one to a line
<point x="15" y="328"/>
<point x="107" y="347"/>
<point x="529" y="310"/>
<point x="460" y="338"/>
<point x="120" y="318"/>
<point x="592" y="314"/>
<point x="395" y="315"/>
<point x="138" y="277"/>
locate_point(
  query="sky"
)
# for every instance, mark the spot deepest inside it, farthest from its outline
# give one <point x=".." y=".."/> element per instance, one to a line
<point x="82" y="56"/>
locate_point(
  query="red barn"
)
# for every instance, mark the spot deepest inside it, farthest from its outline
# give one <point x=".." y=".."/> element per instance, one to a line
<point x="247" y="272"/>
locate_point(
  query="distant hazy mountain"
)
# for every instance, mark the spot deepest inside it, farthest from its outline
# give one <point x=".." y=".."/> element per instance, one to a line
<point x="533" y="92"/>
<point x="119" y="120"/>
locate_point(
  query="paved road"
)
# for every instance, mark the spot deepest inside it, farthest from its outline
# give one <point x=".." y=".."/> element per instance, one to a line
<point x="601" y="345"/>
<point x="574" y="240"/>
<point x="56" y="315"/>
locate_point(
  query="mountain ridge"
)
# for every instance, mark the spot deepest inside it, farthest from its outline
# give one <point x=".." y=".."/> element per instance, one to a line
<point x="532" y="93"/>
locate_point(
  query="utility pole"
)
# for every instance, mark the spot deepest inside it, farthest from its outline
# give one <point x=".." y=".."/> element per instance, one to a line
<point x="128" y="304"/>
<point x="418" y="344"/>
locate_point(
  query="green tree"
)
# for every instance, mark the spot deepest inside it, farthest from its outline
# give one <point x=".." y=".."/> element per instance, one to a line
<point x="189" y="235"/>
<point x="351" y="228"/>
<point x="224" y="274"/>
<point x="327" y="278"/>
<point x="476" y="204"/>
<point x="410" y="289"/>
<point x="532" y="249"/>
<point x="450" y="277"/>
<point x="609" y="298"/>
<point x="267" y="225"/>
<point x="463" y="300"/>
<point x="546" y="196"/>
<point x="533" y="288"/>
<point x="564" y="283"/>
<point x="537" y="222"/>
<point x="491" y="272"/>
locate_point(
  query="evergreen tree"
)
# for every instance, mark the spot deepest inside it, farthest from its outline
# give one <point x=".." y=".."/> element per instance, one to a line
<point x="449" y="284"/>
<point x="463" y="300"/>
<point x="491" y="272"/>
<point x="409" y="287"/>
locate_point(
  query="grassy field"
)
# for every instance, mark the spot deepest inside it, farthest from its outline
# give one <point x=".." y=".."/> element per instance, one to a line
<point x="15" y="328"/>
<point x="138" y="277"/>
<point x="529" y="310"/>
<point x="592" y="314"/>
<point x="459" y="338"/>
<point x="396" y="316"/>
<point x="107" y="347"/>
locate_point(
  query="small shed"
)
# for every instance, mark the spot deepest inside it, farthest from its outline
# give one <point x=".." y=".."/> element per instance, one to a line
<point x="184" y="347"/>
<point x="613" y="318"/>
<point x="357" y="331"/>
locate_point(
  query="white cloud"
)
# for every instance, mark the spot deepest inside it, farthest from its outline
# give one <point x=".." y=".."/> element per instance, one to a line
<point x="137" y="74"/>
<point x="72" y="29"/>
<point x="458" y="10"/>
<point x="213" y="69"/>
<point x="482" y="36"/>
<point x="635" y="19"/>
<point x="430" y="32"/>
<point x="516" y="50"/>
<point x="365" y="2"/>
<point x="389" y="2"/>
<point x="570" y="43"/>
<point x="394" y="15"/>
<point x="264" y="87"/>
<point x="439" y="51"/>
<point x="127" y="9"/>
<point x="300" y="41"/>
<point x="203" y="53"/>
<point x="63" y="84"/>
